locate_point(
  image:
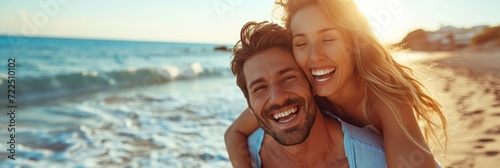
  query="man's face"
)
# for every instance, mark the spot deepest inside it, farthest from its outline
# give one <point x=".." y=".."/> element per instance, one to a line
<point x="280" y="96"/>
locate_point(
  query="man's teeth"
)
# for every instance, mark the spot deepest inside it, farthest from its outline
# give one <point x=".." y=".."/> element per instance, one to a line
<point x="322" y="71"/>
<point x="284" y="114"/>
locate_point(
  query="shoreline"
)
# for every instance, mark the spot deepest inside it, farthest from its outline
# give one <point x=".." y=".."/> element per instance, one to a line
<point x="475" y="63"/>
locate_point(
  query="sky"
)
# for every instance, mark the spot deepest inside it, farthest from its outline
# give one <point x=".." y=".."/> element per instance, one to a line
<point x="217" y="21"/>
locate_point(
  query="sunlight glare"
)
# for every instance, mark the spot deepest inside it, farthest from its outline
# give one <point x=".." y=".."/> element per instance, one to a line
<point x="385" y="17"/>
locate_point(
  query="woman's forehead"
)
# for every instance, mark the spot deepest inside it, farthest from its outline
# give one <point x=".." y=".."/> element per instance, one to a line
<point x="310" y="18"/>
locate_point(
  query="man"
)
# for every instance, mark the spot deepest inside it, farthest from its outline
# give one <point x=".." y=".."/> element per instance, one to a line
<point x="279" y="95"/>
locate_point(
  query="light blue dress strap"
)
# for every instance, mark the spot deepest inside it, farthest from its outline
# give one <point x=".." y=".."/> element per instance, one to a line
<point x="362" y="147"/>
<point x="254" y="145"/>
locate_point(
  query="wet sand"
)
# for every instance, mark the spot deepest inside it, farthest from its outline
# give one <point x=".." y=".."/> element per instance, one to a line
<point x="468" y="85"/>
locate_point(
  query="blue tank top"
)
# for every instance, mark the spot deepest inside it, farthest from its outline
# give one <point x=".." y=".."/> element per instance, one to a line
<point x="363" y="147"/>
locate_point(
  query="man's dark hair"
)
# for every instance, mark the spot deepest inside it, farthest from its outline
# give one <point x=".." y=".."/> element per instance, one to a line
<point x="255" y="38"/>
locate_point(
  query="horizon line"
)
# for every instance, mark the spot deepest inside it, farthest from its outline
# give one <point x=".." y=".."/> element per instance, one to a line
<point x="109" y="39"/>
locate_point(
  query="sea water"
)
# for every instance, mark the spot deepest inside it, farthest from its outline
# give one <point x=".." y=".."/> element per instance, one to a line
<point x="98" y="103"/>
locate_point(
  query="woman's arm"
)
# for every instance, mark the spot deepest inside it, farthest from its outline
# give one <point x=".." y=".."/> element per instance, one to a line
<point x="400" y="150"/>
<point x="236" y="139"/>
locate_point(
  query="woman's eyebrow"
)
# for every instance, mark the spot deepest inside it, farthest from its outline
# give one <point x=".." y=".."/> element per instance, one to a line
<point x="318" y="32"/>
<point x="325" y="30"/>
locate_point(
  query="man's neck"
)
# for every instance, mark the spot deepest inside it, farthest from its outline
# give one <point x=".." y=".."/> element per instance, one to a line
<point x="324" y="144"/>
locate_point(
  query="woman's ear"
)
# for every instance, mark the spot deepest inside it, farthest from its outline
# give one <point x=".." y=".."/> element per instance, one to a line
<point x="351" y="46"/>
<point x="355" y="43"/>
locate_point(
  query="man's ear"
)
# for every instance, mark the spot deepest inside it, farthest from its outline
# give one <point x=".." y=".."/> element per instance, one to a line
<point x="313" y="92"/>
<point x="251" y="110"/>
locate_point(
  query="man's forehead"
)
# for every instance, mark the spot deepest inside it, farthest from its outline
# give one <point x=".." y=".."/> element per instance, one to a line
<point x="267" y="63"/>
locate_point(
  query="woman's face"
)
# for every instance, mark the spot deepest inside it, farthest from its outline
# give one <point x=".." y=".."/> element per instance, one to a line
<point x="321" y="51"/>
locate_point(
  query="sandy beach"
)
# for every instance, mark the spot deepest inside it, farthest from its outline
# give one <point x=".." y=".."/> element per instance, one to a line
<point x="468" y="85"/>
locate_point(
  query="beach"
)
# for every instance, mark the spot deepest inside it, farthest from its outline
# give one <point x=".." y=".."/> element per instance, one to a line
<point x="467" y="83"/>
<point x="95" y="103"/>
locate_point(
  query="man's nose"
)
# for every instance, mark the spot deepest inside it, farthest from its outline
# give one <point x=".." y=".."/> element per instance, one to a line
<point x="278" y="95"/>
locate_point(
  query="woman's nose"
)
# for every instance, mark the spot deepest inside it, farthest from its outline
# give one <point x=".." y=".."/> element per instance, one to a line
<point x="315" y="52"/>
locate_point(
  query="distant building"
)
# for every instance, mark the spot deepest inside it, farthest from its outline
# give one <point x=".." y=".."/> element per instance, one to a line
<point x="451" y="35"/>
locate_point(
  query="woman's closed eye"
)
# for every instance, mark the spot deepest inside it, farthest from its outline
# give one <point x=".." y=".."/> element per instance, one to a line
<point x="300" y="44"/>
<point x="329" y="40"/>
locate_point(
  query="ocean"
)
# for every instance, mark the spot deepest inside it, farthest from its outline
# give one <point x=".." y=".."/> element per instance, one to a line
<point x="101" y="103"/>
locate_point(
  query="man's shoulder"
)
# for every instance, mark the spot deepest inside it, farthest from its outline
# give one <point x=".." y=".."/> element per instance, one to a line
<point x="362" y="147"/>
<point x="254" y="145"/>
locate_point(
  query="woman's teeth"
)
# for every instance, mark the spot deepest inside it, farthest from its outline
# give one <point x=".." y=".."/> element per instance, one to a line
<point x="322" y="75"/>
<point x="318" y="72"/>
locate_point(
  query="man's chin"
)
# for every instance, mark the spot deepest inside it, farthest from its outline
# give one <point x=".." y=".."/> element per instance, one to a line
<point x="291" y="136"/>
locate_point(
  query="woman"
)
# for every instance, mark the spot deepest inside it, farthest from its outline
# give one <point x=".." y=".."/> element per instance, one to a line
<point x="357" y="79"/>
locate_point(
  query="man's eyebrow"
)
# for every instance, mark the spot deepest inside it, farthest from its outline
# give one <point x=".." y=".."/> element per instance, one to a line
<point x="320" y="31"/>
<point x="283" y="71"/>
<point x="280" y="72"/>
<point x="255" y="82"/>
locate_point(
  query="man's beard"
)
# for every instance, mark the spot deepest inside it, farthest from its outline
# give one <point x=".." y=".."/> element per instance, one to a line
<point x="294" y="135"/>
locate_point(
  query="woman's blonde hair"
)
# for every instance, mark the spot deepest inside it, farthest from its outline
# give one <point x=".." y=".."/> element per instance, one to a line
<point x="392" y="82"/>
